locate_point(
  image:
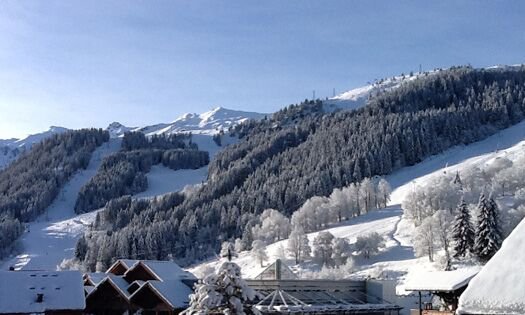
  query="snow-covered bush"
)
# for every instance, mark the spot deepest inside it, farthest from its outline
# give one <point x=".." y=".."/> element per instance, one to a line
<point x="332" y="273"/>
<point x="369" y="245"/>
<point x="224" y="292"/>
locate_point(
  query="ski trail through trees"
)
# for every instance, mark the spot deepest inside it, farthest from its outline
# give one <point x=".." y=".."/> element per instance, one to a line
<point x="52" y="236"/>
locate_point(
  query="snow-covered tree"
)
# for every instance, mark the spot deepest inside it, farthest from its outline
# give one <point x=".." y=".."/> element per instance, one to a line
<point x="342" y="204"/>
<point x="274" y="226"/>
<point x="239" y="245"/>
<point x="298" y="245"/>
<point x="369" y="245"/>
<point x="443" y="227"/>
<point x="228" y="250"/>
<point x="383" y="192"/>
<point x="312" y="214"/>
<point x="366" y="195"/>
<point x="463" y="232"/>
<point x="341" y="250"/>
<point x="222" y="292"/>
<point x="424" y="239"/>
<point x="323" y="247"/>
<point x="259" y="251"/>
<point x="488" y="235"/>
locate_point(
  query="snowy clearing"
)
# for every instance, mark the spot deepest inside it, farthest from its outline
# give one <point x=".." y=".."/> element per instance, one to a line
<point x="163" y="180"/>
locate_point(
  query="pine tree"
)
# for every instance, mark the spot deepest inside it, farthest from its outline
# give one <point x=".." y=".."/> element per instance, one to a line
<point x="463" y="232"/>
<point x="488" y="236"/>
<point x="222" y="293"/>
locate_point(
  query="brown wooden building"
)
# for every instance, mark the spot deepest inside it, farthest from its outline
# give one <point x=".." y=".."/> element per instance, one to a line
<point x="152" y="287"/>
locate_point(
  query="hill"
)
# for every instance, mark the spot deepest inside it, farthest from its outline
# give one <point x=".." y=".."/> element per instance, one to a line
<point x="278" y="162"/>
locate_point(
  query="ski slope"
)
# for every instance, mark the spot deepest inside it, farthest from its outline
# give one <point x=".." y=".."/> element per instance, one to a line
<point x="53" y="235"/>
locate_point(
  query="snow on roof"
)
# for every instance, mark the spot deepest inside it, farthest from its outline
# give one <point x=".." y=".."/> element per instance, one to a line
<point x="440" y="280"/>
<point x="88" y="288"/>
<point x="96" y="277"/>
<point x="165" y="270"/>
<point x="127" y="263"/>
<point x="498" y="288"/>
<point x="62" y="290"/>
<point x="174" y="292"/>
<point x="121" y="283"/>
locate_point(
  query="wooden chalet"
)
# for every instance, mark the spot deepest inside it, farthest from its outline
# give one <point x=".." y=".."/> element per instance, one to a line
<point x="41" y="292"/>
<point x="151" y="287"/>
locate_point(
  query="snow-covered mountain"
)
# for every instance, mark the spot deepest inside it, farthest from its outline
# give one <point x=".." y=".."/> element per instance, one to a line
<point x="10" y="149"/>
<point x="357" y="97"/>
<point x="207" y="123"/>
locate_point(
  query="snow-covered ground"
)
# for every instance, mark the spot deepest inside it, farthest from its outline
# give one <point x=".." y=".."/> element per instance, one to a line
<point x="207" y="123"/>
<point x="162" y="180"/>
<point x="357" y="97"/>
<point x="52" y="237"/>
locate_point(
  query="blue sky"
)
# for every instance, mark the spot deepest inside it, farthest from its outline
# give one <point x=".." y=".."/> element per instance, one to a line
<point x="88" y="63"/>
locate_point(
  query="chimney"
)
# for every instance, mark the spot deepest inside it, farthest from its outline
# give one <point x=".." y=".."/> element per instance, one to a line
<point x="39" y="297"/>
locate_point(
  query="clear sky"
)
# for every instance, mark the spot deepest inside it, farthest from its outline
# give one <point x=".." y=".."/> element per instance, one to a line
<point x="88" y="63"/>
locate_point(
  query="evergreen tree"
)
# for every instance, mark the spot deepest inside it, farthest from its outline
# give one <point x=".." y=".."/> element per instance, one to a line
<point x="463" y="232"/>
<point x="488" y="236"/>
<point x="222" y="293"/>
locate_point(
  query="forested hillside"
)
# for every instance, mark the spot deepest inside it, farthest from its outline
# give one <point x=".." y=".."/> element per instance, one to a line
<point x="124" y="173"/>
<point x="282" y="162"/>
<point x="32" y="182"/>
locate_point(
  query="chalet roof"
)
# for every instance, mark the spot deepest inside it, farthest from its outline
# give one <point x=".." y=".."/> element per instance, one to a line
<point x="498" y="288"/>
<point x="127" y="263"/>
<point x="444" y="281"/>
<point x="163" y="270"/>
<point x="120" y="283"/>
<point x="117" y="282"/>
<point x="174" y="292"/>
<point x="95" y="277"/>
<point x="62" y="290"/>
<point x="88" y="289"/>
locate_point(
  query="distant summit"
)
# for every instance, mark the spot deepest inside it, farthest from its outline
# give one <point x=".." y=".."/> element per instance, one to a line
<point x="10" y="149"/>
<point x="207" y="123"/>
